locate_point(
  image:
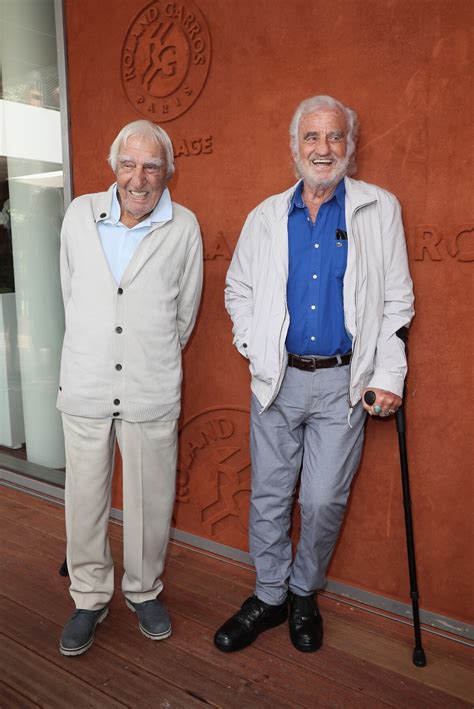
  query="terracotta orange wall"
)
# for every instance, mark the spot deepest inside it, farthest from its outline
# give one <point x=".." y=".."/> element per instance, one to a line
<point x="406" y="67"/>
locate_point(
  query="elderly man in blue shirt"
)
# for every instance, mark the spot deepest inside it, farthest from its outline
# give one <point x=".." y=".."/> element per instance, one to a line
<point x="319" y="293"/>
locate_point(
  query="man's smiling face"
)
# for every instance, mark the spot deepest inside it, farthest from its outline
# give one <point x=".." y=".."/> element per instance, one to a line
<point x="322" y="148"/>
<point x="141" y="178"/>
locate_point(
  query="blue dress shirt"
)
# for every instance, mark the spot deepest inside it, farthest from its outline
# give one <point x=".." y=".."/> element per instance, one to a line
<point x="119" y="242"/>
<point x="317" y="263"/>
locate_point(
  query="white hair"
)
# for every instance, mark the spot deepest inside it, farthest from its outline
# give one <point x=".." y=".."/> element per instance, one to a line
<point x="150" y="131"/>
<point x="316" y="103"/>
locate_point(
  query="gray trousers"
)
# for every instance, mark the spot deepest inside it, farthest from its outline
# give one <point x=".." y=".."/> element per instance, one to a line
<point x="304" y="435"/>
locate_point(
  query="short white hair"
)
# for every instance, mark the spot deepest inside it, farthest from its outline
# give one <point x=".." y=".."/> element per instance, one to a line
<point x="150" y="131"/>
<point x="316" y="103"/>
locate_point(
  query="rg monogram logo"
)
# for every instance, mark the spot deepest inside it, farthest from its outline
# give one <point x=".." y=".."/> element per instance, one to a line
<point x="165" y="59"/>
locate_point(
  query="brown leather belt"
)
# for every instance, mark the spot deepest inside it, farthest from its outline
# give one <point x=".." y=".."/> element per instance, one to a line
<point x="309" y="364"/>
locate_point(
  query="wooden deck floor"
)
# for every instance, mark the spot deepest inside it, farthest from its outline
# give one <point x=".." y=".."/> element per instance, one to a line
<point x="365" y="662"/>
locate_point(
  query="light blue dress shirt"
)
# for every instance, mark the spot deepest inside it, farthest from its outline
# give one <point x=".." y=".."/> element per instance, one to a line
<point x="119" y="242"/>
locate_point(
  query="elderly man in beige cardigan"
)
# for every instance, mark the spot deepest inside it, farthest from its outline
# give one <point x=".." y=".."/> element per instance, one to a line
<point x="131" y="273"/>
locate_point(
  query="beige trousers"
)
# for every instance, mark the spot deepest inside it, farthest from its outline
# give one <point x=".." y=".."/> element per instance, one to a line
<point x="149" y="481"/>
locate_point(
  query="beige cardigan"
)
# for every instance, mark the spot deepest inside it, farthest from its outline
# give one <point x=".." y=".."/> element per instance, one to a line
<point x="123" y="342"/>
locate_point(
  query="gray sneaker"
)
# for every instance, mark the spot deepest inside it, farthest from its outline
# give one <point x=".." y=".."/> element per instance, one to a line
<point x="78" y="633"/>
<point x="153" y="618"/>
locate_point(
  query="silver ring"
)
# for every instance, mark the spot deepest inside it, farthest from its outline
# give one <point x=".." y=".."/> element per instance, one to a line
<point x="390" y="412"/>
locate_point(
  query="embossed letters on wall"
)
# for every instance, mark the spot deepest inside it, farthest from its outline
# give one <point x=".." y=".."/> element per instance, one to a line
<point x="433" y="243"/>
<point x="165" y="59"/>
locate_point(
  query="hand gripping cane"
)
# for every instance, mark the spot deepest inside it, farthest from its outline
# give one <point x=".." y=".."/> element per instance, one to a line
<point x="419" y="658"/>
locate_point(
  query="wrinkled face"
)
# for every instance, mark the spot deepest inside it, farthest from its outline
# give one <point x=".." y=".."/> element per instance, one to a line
<point x="322" y="148"/>
<point x="141" y="178"/>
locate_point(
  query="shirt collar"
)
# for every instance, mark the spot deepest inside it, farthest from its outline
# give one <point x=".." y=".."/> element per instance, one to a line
<point x="163" y="211"/>
<point x="340" y="194"/>
<point x="297" y="199"/>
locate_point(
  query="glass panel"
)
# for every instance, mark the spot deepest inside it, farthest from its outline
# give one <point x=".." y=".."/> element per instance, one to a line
<point x="31" y="211"/>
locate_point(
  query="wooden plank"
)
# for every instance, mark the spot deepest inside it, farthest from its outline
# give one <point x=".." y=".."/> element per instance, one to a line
<point x="260" y="678"/>
<point x="203" y="611"/>
<point x="124" y="676"/>
<point x="44" y="543"/>
<point x="35" y="519"/>
<point x="32" y="674"/>
<point x="395" y="653"/>
<point x="202" y="590"/>
<point x="240" y="573"/>
<point x="262" y="682"/>
<point x="366" y="618"/>
<point x="12" y="698"/>
<point x="440" y="673"/>
<point x="20" y="499"/>
<point x="341" y="666"/>
<point x="243" y="575"/>
<point x="128" y="637"/>
<point x="270" y="673"/>
<point x="49" y="520"/>
<point x="187" y="668"/>
<point x="273" y="667"/>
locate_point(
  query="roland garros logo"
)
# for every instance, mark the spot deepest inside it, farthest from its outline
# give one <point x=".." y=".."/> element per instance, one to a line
<point x="213" y="484"/>
<point x="165" y="59"/>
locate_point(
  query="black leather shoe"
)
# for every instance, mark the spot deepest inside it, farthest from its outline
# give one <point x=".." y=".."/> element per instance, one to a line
<point x="306" y="623"/>
<point x="244" y="627"/>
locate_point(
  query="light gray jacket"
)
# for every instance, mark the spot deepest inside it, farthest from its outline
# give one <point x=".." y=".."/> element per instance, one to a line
<point x="123" y="341"/>
<point x="378" y="296"/>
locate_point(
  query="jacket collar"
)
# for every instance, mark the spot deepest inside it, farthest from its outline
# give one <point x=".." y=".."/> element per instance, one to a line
<point x="102" y="204"/>
<point x="274" y="211"/>
<point x="358" y="194"/>
<point x="276" y="208"/>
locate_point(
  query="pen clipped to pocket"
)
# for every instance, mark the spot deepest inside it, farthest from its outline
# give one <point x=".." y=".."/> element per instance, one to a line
<point x="341" y="237"/>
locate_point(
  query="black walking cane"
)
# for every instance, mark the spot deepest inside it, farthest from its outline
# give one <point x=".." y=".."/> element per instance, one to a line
<point x="419" y="658"/>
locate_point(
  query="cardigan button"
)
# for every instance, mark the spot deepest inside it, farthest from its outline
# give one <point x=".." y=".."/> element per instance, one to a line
<point x="116" y="402"/>
<point x="120" y="291"/>
<point x="118" y="367"/>
<point x="116" y="413"/>
<point x="118" y="330"/>
<point x="103" y="215"/>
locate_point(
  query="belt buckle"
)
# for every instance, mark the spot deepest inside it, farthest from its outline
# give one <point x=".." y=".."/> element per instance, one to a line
<point x="310" y="361"/>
